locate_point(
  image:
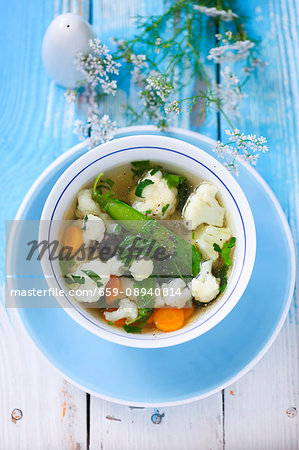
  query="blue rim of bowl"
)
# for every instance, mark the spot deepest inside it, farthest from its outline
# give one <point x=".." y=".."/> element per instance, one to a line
<point x="169" y="150"/>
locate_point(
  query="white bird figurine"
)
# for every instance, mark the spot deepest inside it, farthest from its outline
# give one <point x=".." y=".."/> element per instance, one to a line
<point x="66" y="36"/>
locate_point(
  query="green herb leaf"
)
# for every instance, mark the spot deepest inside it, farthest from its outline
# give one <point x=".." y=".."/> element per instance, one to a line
<point x="138" y="164"/>
<point x="66" y="265"/>
<point x="139" y="167"/>
<point x="148" y="211"/>
<point x="222" y="275"/>
<point x="216" y="247"/>
<point x="95" y="277"/>
<point x="144" y="300"/>
<point x="143" y="315"/>
<point x="224" y="252"/>
<point x="109" y="182"/>
<point x="132" y="329"/>
<point x="134" y="246"/>
<point x="141" y="186"/>
<point x="196" y="258"/>
<point x="183" y="193"/>
<point x="84" y="223"/>
<point x="106" y="184"/>
<point x="173" y="180"/>
<point x="164" y="209"/>
<point x="155" y="170"/>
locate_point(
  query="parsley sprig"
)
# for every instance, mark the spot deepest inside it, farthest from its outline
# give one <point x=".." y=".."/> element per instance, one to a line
<point x="221" y="273"/>
<point x="224" y="252"/>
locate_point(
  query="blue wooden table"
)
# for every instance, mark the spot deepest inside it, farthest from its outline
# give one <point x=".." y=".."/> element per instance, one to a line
<point x="259" y="410"/>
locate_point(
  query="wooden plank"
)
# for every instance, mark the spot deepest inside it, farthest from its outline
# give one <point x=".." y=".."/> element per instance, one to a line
<point x="194" y="426"/>
<point x="53" y="411"/>
<point x="259" y="408"/>
<point x="36" y="127"/>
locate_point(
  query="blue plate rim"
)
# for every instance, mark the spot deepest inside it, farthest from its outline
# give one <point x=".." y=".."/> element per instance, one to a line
<point x="256" y="359"/>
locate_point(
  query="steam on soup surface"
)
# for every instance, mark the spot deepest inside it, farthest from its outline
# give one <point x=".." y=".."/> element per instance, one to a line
<point x="126" y="212"/>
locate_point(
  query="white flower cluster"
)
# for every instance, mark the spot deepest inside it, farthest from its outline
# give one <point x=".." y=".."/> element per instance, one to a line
<point x="241" y="146"/>
<point x="96" y="130"/>
<point x="255" y="62"/>
<point x="174" y="107"/>
<point x="139" y="63"/>
<point x="159" y="85"/>
<point x="230" y="51"/>
<point x="154" y="95"/>
<point x="226" y="16"/>
<point x="229" y="92"/>
<point x="155" y="89"/>
<point x="71" y="95"/>
<point x="98" y="67"/>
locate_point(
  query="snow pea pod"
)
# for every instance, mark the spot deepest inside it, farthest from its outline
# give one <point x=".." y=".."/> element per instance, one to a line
<point x="136" y="222"/>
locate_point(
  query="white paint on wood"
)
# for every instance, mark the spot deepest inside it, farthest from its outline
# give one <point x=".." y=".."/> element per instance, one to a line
<point x="189" y="427"/>
<point x="54" y="412"/>
<point x="256" y="406"/>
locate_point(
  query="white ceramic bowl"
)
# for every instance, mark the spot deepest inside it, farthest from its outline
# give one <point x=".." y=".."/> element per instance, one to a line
<point x="174" y="154"/>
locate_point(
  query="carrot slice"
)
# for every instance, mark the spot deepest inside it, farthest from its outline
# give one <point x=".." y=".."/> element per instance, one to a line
<point x="150" y="320"/>
<point x="169" y="319"/>
<point x="188" y="311"/>
<point x="113" y="290"/>
<point x="73" y="237"/>
<point x="120" y="322"/>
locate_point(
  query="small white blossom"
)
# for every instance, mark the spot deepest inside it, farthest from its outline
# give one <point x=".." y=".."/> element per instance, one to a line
<point x="226" y="16"/>
<point x="96" y="130"/>
<point x="229" y="92"/>
<point x="242" y="147"/>
<point x="98" y="67"/>
<point x="235" y="51"/>
<point x="70" y="95"/>
<point x="158" y="43"/>
<point x="174" y="107"/>
<point x="254" y="63"/>
<point x="154" y="95"/>
<point x="229" y="35"/>
<point x="139" y="63"/>
<point x="160" y="86"/>
<point x="119" y="43"/>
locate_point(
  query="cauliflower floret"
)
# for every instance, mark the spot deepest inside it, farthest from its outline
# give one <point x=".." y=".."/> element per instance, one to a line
<point x="93" y="228"/>
<point x="203" y="207"/>
<point x="142" y="269"/>
<point x="116" y="266"/>
<point x="127" y="310"/>
<point x="127" y="285"/>
<point x="157" y="197"/>
<point x="205" y="286"/>
<point x="158" y="299"/>
<point x="100" y="268"/>
<point x="86" y="204"/>
<point x="207" y="235"/>
<point x="86" y="292"/>
<point x="171" y="296"/>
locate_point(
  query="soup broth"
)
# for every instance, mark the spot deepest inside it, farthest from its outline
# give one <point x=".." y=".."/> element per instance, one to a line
<point x="157" y="193"/>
